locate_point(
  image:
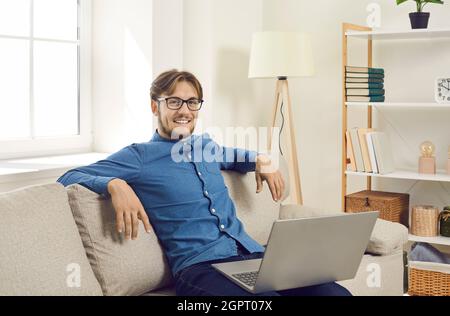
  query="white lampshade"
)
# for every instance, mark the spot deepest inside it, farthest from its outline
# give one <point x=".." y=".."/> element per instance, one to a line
<point x="281" y="54"/>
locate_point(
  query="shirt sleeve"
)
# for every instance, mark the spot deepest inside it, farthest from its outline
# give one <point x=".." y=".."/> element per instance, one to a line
<point x="126" y="164"/>
<point x="238" y="159"/>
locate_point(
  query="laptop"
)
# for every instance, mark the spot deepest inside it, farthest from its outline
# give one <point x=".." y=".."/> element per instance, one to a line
<point x="304" y="252"/>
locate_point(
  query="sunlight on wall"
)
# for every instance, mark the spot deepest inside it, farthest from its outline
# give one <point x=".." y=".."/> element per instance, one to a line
<point x="137" y="82"/>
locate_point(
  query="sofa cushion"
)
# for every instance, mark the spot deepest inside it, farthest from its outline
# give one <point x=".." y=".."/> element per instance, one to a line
<point x="41" y="252"/>
<point x="123" y="267"/>
<point x="387" y="237"/>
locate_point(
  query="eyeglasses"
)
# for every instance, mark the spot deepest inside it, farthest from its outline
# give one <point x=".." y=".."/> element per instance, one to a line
<point x="175" y="103"/>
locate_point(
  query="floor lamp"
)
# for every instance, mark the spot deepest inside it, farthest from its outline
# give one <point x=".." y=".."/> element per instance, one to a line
<point x="283" y="55"/>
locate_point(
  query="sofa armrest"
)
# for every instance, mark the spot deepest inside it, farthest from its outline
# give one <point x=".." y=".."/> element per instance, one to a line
<point x="387" y="237"/>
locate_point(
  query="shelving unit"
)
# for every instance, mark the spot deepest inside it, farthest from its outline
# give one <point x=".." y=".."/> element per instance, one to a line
<point x="405" y="175"/>
<point x="406" y="105"/>
<point x="366" y="33"/>
<point x="356" y="32"/>
<point x="439" y="240"/>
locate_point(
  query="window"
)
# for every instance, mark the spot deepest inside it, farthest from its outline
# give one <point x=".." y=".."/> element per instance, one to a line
<point x="44" y="105"/>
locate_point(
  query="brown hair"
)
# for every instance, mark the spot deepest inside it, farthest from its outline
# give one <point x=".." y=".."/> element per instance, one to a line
<point x="166" y="82"/>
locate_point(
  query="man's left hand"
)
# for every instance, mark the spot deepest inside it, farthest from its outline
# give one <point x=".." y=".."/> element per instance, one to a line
<point x="265" y="172"/>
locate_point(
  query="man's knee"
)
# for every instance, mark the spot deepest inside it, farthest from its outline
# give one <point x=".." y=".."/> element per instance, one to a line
<point x="334" y="289"/>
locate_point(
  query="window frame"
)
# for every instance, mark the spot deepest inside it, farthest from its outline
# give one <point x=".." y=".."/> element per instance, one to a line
<point x="58" y="145"/>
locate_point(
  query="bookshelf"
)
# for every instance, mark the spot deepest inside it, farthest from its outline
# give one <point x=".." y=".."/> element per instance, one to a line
<point x="405" y="105"/>
<point x="405" y="175"/>
<point x="366" y="33"/>
<point x="354" y="31"/>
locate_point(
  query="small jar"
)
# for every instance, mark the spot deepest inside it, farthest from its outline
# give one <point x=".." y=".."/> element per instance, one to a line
<point x="444" y="222"/>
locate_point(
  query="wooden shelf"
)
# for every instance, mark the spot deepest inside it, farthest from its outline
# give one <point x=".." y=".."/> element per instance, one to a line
<point x="439" y="240"/>
<point x="405" y="175"/>
<point x="400" y="34"/>
<point x="399" y="104"/>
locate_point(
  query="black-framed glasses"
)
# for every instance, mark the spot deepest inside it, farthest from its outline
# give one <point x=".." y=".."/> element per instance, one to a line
<point x="175" y="103"/>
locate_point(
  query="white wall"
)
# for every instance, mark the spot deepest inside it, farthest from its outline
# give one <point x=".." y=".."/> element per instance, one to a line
<point x="223" y="60"/>
<point x="217" y="36"/>
<point x="212" y="39"/>
<point x="411" y="69"/>
<point x="122" y="72"/>
<point x="134" y="40"/>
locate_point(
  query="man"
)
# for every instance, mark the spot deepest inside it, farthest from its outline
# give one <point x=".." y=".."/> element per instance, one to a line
<point x="185" y="198"/>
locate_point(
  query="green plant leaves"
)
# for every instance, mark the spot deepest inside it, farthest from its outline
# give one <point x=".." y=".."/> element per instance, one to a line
<point x="422" y="1"/>
<point x="420" y="4"/>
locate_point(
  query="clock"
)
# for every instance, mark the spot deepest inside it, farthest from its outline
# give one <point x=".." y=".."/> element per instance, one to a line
<point x="442" y="90"/>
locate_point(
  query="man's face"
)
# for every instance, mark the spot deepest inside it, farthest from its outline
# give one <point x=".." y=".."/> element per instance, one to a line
<point x="172" y="123"/>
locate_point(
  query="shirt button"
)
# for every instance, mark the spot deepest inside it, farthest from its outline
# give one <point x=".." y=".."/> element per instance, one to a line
<point x="206" y="192"/>
<point x="213" y="210"/>
<point x="222" y="227"/>
<point x="199" y="173"/>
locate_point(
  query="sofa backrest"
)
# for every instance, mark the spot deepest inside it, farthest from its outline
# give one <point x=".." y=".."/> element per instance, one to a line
<point x="41" y="252"/>
<point x="40" y="238"/>
<point x="136" y="267"/>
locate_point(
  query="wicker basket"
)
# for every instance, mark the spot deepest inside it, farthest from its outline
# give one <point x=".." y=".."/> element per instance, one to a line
<point x="393" y="207"/>
<point x="428" y="279"/>
<point x="424" y="221"/>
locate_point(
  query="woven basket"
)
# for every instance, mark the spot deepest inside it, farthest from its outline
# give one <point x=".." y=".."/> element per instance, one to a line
<point x="424" y="221"/>
<point x="393" y="207"/>
<point x="423" y="282"/>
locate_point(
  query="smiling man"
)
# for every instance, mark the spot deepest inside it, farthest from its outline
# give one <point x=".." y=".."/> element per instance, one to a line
<point x="186" y="201"/>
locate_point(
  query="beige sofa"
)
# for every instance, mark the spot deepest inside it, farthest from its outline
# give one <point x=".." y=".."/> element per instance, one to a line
<point x="62" y="241"/>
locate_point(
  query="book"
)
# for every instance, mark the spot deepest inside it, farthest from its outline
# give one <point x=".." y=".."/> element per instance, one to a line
<point x="376" y="98"/>
<point x="365" y="92"/>
<point x="357" y="150"/>
<point x="364" y="80"/>
<point x="364" y="149"/>
<point x="383" y="152"/>
<point x="350" y="151"/>
<point x="365" y="85"/>
<point x="363" y="75"/>
<point x="365" y="70"/>
<point x="373" y="159"/>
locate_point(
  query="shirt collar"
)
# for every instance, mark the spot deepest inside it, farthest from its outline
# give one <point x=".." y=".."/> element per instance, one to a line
<point x="158" y="138"/>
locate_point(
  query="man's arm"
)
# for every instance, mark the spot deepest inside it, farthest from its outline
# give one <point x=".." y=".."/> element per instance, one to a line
<point x="111" y="176"/>
<point x="238" y="159"/>
<point x="126" y="164"/>
<point x="245" y="161"/>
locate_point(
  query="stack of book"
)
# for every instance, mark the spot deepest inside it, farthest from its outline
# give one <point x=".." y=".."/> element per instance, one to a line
<point x="369" y="151"/>
<point x="364" y="84"/>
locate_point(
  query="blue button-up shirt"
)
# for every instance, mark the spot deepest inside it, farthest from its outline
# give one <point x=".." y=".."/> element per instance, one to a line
<point x="181" y="187"/>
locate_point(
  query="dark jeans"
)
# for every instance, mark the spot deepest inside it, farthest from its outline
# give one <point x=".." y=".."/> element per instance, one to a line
<point x="203" y="280"/>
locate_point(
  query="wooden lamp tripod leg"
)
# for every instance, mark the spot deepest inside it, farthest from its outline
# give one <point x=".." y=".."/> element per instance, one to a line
<point x="282" y="94"/>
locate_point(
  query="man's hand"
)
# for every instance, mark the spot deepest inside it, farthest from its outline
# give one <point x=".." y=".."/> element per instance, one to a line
<point x="129" y="209"/>
<point x="265" y="172"/>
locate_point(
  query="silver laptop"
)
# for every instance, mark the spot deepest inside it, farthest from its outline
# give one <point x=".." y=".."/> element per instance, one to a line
<point x="305" y="252"/>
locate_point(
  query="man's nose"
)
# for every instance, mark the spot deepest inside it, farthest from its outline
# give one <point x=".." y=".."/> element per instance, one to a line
<point x="184" y="109"/>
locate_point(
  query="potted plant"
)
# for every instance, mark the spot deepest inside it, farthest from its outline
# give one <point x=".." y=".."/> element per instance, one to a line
<point x="419" y="19"/>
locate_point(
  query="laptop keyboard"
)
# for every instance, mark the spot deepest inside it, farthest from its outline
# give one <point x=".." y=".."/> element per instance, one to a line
<point x="248" y="278"/>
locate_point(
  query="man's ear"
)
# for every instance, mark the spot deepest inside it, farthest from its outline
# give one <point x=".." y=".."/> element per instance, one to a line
<point x="154" y="106"/>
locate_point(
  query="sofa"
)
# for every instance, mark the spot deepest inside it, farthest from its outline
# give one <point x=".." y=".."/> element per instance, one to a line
<point x="62" y="241"/>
